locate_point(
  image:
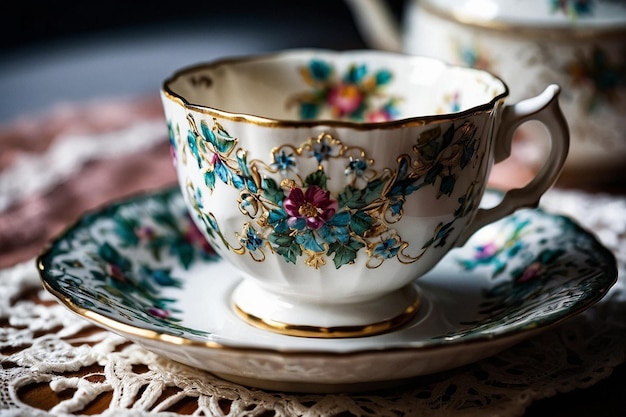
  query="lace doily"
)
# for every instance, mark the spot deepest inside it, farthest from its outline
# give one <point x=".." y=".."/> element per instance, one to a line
<point x="46" y="349"/>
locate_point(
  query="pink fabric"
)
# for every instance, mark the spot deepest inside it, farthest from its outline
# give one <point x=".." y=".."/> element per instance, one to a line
<point x="27" y="227"/>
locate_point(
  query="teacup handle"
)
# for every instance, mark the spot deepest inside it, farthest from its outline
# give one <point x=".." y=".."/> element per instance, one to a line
<point x="545" y="109"/>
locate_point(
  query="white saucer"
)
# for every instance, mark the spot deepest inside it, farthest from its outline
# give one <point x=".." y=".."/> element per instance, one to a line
<point x="138" y="268"/>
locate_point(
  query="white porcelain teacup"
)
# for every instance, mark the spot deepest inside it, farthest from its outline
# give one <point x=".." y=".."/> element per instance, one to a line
<point x="332" y="180"/>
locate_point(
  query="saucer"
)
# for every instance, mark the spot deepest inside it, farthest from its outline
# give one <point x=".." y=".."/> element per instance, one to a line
<point x="140" y="268"/>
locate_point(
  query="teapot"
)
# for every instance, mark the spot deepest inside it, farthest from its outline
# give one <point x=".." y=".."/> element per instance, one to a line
<point x="578" y="44"/>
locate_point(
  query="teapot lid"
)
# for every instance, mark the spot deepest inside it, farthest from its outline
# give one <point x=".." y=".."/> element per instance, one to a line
<point x="602" y="15"/>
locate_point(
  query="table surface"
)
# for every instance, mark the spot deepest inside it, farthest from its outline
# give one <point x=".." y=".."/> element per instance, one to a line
<point x="101" y="82"/>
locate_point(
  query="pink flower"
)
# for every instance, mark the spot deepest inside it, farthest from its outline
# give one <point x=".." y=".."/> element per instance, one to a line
<point x="173" y="155"/>
<point x="344" y="99"/>
<point x="116" y="272"/>
<point x="194" y="236"/>
<point x="158" y="312"/>
<point x="531" y="272"/>
<point x="145" y="234"/>
<point x="312" y="208"/>
<point x="379" y="115"/>
<point x="487" y="251"/>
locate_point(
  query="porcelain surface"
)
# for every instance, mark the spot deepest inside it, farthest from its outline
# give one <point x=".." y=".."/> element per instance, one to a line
<point x="336" y="168"/>
<point x="140" y="268"/>
<point x="601" y="14"/>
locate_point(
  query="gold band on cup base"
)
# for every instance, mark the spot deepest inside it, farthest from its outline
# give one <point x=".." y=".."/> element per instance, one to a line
<point x="333" y="332"/>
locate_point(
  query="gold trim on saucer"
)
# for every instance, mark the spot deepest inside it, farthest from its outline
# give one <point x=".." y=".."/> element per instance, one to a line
<point x="334" y="332"/>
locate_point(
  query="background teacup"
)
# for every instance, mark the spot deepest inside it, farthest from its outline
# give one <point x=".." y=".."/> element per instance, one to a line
<point x="578" y="44"/>
<point x="332" y="180"/>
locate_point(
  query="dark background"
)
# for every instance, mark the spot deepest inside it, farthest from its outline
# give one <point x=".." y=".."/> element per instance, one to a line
<point x="29" y="23"/>
<point x="57" y="51"/>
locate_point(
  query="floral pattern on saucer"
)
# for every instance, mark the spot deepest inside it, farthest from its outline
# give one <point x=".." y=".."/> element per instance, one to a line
<point x="123" y="263"/>
<point x="95" y="261"/>
<point x="529" y="261"/>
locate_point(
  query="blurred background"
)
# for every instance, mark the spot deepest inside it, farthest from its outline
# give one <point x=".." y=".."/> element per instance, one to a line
<point x="72" y="51"/>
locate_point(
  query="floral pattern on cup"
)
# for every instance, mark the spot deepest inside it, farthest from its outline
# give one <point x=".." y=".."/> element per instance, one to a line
<point x="598" y="74"/>
<point x="292" y="213"/>
<point x="356" y="95"/>
<point x="572" y="8"/>
<point x="591" y="71"/>
<point x="472" y="54"/>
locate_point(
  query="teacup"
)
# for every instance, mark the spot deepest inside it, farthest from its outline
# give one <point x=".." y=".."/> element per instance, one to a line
<point x="333" y="180"/>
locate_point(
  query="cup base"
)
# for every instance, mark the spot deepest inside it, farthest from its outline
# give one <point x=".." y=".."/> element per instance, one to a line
<point x="293" y="316"/>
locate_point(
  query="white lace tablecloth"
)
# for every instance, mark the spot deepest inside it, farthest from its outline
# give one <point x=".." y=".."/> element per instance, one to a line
<point x="44" y="345"/>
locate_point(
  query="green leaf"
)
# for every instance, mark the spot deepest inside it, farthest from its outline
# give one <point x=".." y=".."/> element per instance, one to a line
<point x="222" y="142"/>
<point x="429" y="151"/>
<point x="107" y="252"/>
<point x="447" y="185"/>
<point x="209" y="179"/>
<point x="185" y="253"/>
<point x="167" y="218"/>
<point x="272" y="192"/>
<point x="373" y="191"/>
<point x="360" y="223"/>
<point x="548" y="256"/>
<point x="320" y="70"/>
<point x="356" y="73"/>
<point x="222" y="132"/>
<point x="308" y="241"/>
<point x="125" y="230"/>
<point x="351" y="197"/>
<point x="242" y="162"/>
<point x="318" y="178"/>
<point x="207" y="133"/>
<point x="309" y="111"/>
<point x="448" y="136"/>
<point x="433" y="173"/>
<point x="356" y="199"/>
<point x="383" y="77"/>
<point x="281" y="240"/>
<point x="344" y="253"/>
<point x="289" y="253"/>
<point x="355" y="244"/>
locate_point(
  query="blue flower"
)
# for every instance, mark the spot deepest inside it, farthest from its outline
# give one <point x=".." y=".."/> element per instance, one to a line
<point x="161" y="276"/>
<point x="197" y="198"/>
<point x="251" y="239"/>
<point x="387" y="248"/>
<point x="356" y="167"/>
<point x="283" y="162"/>
<point x="324" y="148"/>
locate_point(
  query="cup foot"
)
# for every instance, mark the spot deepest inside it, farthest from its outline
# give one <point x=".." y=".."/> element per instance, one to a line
<point x="293" y="316"/>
